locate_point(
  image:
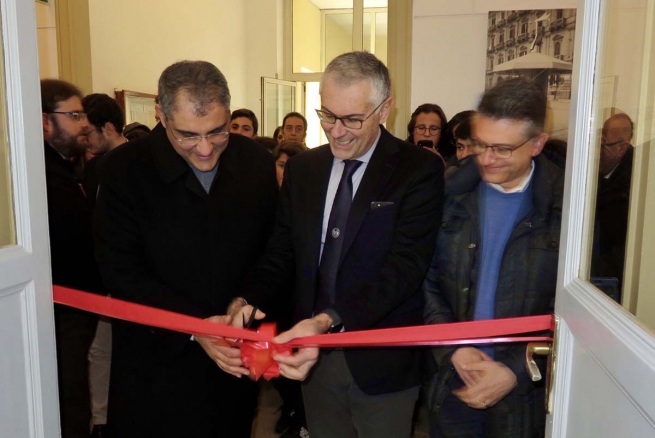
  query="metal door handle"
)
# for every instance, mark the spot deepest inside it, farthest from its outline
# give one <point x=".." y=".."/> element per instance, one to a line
<point x="540" y="349"/>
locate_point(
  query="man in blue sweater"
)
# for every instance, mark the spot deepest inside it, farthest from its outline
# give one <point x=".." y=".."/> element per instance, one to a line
<point x="496" y="257"/>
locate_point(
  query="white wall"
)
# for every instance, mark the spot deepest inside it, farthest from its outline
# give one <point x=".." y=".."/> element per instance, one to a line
<point x="449" y="44"/>
<point x="262" y="50"/>
<point x="46" y="31"/>
<point x="133" y="41"/>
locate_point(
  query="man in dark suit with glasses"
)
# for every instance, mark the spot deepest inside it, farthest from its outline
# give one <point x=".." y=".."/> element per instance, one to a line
<point x="356" y="230"/>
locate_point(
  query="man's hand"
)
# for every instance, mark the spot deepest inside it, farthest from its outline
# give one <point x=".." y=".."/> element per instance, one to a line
<point x="495" y="382"/>
<point x="226" y="356"/>
<point x="465" y="356"/>
<point x="240" y="311"/>
<point x="298" y="365"/>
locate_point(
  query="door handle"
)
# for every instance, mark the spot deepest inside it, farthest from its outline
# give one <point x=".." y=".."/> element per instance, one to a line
<point x="543" y="349"/>
<point x="540" y="349"/>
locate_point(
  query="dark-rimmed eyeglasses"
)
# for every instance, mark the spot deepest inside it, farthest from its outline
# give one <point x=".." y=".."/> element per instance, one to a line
<point x="420" y="129"/>
<point x="216" y="138"/>
<point x="348" y="122"/>
<point x="499" y="150"/>
<point x="75" y="115"/>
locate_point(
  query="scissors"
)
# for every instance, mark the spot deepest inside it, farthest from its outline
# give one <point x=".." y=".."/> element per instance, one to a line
<point x="248" y="324"/>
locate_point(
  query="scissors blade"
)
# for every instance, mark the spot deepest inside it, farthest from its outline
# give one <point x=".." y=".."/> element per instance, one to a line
<point x="247" y="324"/>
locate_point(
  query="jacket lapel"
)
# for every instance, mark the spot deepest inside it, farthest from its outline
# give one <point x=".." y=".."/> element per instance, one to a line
<point x="316" y="194"/>
<point x="377" y="174"/>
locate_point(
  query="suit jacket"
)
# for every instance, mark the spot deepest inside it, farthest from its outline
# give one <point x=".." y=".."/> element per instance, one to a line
<point x="90" y="180"/>
<point x="611" y="227"/>
<point x="164" y="242"/>
<point x="69" y="223"/>
<point x="385" y="256"/>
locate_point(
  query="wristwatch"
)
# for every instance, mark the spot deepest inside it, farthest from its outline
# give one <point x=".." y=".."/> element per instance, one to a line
<point x="337" y="324"/>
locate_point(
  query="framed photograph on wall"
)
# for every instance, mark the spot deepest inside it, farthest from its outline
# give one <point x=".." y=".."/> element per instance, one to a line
<point x="138" y="107"/>
<point x="536" y="45"/>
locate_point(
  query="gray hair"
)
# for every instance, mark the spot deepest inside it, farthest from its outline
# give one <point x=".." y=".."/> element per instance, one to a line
<point x="353" y="67"/>
<point x="200" y="81"/>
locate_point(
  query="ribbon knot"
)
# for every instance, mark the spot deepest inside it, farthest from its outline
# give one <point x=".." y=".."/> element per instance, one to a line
<point x="257" y="356"/>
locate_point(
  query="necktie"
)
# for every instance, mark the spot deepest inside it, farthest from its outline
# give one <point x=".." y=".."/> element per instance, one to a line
<point x="336" y="232"/>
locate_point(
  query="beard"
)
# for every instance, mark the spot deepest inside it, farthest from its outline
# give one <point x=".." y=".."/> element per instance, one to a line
<point x="63" y="142"/>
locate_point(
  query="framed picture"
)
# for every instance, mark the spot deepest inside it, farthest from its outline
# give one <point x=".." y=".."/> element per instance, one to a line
<point x="138" y="107"/>
<point x="536" y="45"/>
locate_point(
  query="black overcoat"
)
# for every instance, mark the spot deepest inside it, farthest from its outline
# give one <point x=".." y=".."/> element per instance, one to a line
<point x="164" y="242"/>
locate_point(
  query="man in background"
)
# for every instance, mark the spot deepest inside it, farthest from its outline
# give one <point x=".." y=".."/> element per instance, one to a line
<point x="613" y="203"/>
<point x="294" y="126"/>
<point x="244" y="122"/>
<point x="106" y="122"/>
<point x="71" y="250"/>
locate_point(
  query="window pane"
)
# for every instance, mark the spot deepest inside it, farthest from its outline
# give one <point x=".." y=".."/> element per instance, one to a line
<point x="381" y="36"/>
<point x="7" y="220"/>
<point x="366" y="40"/>
<point x="621" y="238"/>
<point x="307" y="19"/>
<point x="338" y="33"/>
<point x="279" y="100"/>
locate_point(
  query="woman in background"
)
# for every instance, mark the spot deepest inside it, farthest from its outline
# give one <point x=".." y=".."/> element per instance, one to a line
<point x="459" y="129"/>
<point x="278" y="135"/>
<point x="425" y="127"/>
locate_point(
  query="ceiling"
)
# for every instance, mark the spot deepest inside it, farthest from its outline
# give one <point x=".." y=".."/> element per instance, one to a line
<point x="347" y="4"/>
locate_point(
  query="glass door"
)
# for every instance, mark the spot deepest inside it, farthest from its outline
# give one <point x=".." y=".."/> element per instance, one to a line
<point x="278" y="99"/>
<point x="605" y="349"/>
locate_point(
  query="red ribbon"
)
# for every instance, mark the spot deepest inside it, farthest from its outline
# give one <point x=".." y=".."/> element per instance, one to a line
<point x="257" y="348"/>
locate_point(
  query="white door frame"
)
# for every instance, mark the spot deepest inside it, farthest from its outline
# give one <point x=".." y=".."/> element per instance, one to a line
<point x="590" y="321"/>
<point x="28" y="375"/>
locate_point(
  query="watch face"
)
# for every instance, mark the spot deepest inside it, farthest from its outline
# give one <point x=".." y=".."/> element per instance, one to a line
<point x="336" y="328"/>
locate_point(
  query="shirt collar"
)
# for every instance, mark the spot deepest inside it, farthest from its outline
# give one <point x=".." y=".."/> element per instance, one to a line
<point x="518" y="189"/>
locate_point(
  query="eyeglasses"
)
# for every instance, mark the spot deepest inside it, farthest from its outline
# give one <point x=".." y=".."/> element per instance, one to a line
<point x="499" y="150"/>
<point x="420" y="129"/>
<point x="607" y="145"/>
<point x="215" y="139"/>
<point x="348" y="122"/>
<point x="75" y="115"/>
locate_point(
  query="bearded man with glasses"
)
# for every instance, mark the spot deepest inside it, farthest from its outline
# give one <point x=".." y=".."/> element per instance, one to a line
<point x="496" y="257"/>
<point x="71" y="250"/>
<point x="355" y="230"/>
<point x="180" y="217"/>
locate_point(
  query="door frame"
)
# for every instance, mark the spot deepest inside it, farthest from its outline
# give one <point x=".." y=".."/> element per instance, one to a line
<point x="25" y="281"/>
<point x="589" y="319"/>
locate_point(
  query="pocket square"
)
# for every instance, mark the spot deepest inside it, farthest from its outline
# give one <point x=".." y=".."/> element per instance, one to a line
<point x="380" y="204"/>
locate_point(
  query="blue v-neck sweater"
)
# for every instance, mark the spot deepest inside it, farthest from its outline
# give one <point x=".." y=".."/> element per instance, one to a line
<point x="499" y="213"/>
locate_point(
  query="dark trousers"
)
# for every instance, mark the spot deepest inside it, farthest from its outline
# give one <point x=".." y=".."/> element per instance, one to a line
<point x="336" y="407"/>
<point x="515" y="416"/>
<point x="74" y="332"/>
<point x="291" y="396"/>
<point x="183" y="395"/>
